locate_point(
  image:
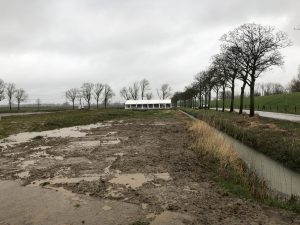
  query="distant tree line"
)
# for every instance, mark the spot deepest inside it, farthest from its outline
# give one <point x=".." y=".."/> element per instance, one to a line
<point x="141" y="90"/>
<point x="11" y="93"/>
<point x="89" y="91"/>
<point x="245" y="53"/>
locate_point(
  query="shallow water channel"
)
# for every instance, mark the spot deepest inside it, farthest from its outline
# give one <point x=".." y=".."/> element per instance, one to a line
<point x="278" y="177"/>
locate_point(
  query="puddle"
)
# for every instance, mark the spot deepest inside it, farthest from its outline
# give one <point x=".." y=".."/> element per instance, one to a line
<point x="42" y="148"/>
<point x="75" y="132"/>
<point x="33" y="205"/>
<point x="27" y="163"/>
<point x="65" y="180"/>
<point x="45" y="155"/>
<point x="120" y="154"/>
<point x="24" y="174"/>
<point x="111" y="142"/>
<point x="106" y="208"/>
<point x="82" y="144"/>
<point x="163" y="176"/>
<point x="135" y="180"/>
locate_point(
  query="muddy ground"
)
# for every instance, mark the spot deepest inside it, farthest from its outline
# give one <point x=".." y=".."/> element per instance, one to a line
<point x="118" y="172"/>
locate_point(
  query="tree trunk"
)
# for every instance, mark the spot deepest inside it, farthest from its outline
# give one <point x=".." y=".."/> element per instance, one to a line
<point x="223" y="99"/>
<point x="209" y="98"/>
<point x="9" y="105"/>
<point x="73" y="104"/>
<point x="232" y="97"/>
<point x="217" y="100"/>
<point x="242" y="98"/>
<point x="18" y="105"/>
<point x="105" y="102"/>
<point x="97" y="103"/>
<point x="252" y="98"/>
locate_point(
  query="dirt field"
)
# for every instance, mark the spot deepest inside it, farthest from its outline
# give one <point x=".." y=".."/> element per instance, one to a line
<point x="118" y="172"/>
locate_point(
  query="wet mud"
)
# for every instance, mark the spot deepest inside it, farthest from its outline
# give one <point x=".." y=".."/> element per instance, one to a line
<point x="117" y="172"/>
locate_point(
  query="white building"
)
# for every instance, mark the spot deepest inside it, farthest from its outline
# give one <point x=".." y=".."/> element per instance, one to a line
<point x="148" y="104"/>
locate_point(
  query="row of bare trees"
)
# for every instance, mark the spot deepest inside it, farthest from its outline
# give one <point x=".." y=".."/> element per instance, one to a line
<point x="88" y="91"/>
<point x="141" y="90"/>
<point x="246" y="52"/>
<point x="10" y="92"/>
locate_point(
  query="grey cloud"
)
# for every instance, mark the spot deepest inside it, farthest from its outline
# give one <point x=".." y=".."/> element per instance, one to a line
<point x="59" y="44"/>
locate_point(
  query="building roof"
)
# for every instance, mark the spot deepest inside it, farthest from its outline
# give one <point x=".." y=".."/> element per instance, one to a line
<point x="158" y="101"/>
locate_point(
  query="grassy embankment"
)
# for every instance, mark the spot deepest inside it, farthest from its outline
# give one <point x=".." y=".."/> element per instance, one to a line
<point x="280" y="140"/>
<point x="17" y="124"/>
<point x="284" y="103"/>
<point x="230" y="171"/>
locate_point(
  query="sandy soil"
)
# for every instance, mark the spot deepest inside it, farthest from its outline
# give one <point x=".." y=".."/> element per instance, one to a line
<point x="118" y="172"/>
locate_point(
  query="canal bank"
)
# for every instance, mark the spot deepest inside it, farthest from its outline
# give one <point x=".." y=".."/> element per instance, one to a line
<point x="281" y="181"/>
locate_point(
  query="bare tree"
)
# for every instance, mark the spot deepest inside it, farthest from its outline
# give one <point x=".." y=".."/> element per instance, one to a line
<point x="230" y="58"/>
<point x="10" y="92"/>
<point x="97" y="92"/>
<point x="144" y="85"/>
<point x="149" y="96"/>
<point x="125" y="93"/>
<point x="108" y="94"/>
<point x="258" y="47"/>
<point x="86" y="91"/>
<point x="2" y="90"/>
<point x="21" y="96"/>
<point x="71" y="95"/>
<point x="79" y="97"/>
<point x="164" y="92"/>
<point x="134" y="90"/>
<point x="294" y="85"/>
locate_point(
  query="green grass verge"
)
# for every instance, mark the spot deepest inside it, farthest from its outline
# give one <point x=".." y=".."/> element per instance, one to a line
<point x="284" y="103"/>
<point x="280" y="140"/>
<point x="16" y="124"/>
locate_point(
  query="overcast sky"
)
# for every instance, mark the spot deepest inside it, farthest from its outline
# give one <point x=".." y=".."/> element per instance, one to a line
<point x="49" y="46"/>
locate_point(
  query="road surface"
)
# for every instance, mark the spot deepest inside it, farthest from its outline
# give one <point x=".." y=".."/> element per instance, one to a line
<point x="273" y="115"/>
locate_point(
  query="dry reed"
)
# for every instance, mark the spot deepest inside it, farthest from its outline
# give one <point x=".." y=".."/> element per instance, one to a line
<point x="210" y="143"/>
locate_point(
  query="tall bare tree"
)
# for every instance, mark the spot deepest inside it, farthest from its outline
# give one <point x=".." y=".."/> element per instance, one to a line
<point x="259" y="48"/>
<point x="10" y="92"/>
<point x="134" y="90"/>
<point x="231" y="59"/>
<point x="2" y="90"/>
<point x="86" y="91"/>
<point x="164" y="92"/>
<point x="125" y="93"/>
<point x="71" y="95"/>
<point x="21" y="96"/>
<point x="97" y="92"/>
<point x="108" y="94"/>
<point x="144" y="85"/>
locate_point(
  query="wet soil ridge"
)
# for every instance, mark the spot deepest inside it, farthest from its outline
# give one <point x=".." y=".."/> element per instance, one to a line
<point x="138" y="169"/>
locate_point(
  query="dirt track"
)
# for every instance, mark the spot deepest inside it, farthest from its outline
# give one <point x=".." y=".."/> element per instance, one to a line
<point x="118" y="173"/>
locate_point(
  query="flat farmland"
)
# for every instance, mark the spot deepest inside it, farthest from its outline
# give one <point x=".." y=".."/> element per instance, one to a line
<point x="126" y="168"/>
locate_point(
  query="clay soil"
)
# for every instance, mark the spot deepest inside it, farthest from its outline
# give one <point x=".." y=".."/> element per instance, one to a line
<point x="141" y="169"/>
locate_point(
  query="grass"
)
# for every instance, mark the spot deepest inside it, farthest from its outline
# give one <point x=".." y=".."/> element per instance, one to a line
<point x="284" y="103"/>
<point x="280" y="140"/>
<point x="29" y="123"/>
<point x="231" y="172"/>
